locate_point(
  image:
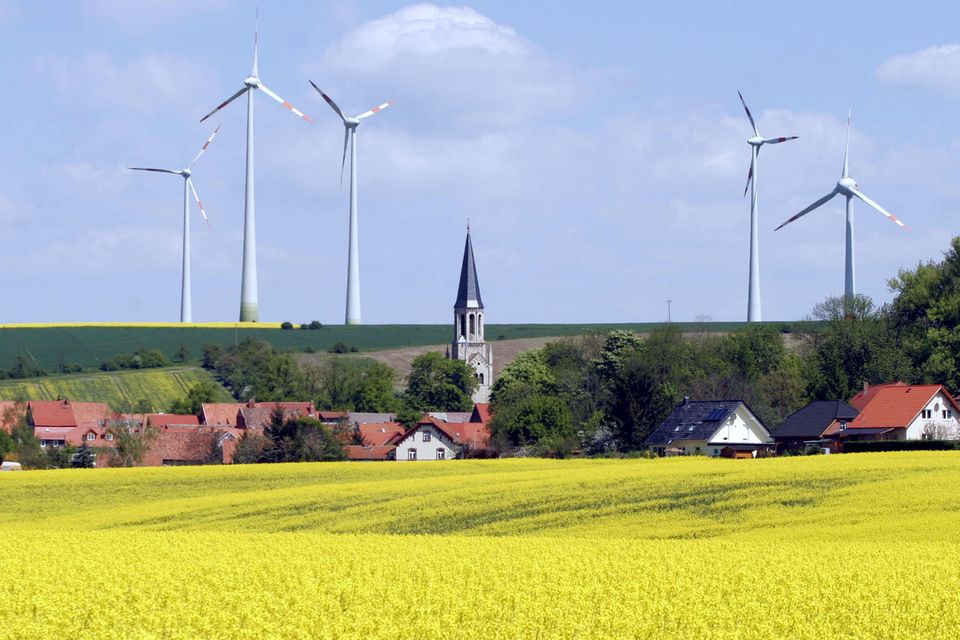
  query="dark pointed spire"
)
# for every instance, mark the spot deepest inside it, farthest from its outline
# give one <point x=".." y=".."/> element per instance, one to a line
<point x="468" y="295"/>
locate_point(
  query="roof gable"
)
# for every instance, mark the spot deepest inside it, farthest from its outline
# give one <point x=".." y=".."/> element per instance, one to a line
<point x="694" y="420"/>
<point x="894" y="405"/>
<point x="812" y="420"/>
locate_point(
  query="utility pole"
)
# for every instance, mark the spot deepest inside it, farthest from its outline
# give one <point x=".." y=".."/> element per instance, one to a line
<point x="668" y="311"/>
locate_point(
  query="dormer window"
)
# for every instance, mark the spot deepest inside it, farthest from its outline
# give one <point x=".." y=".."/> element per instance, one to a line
<point x="91" y="437"/>
<point x="843" y="425"/>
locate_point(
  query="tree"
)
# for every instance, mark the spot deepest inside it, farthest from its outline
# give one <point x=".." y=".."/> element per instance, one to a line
<point x="181" y="355"/>
<point x="7" y="444"/>
<point x="130" y="443"/>
<point x="925" y="316"/>
<point x="299" y="440"/>
<point x="249" y="448"/>
<point x="197" y="394"/>
<point x="437" y="383"/>
<point x="83" y="458"/>
<point x="840" y="308"/>
<point x="23" y="368"/>
<point x="375" y="392"/>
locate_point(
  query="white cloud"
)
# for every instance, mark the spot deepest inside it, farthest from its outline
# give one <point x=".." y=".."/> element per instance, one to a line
<point x="934" y="68"/>
<point x="452" y="65"/>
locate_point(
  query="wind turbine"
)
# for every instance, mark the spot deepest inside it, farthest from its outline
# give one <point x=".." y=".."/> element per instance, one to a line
<point x="249" y="306"/>
<point x="756" y="143"/>
<point x="353" y="252"/>
<point x="186" y="310"/>
<point x="848" y="188"/>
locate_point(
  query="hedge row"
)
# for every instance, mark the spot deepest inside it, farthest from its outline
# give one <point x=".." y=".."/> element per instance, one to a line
<point x="865" y="446"/>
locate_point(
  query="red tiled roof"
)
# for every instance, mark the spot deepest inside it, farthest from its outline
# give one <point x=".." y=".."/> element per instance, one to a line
<point x="360" y="452"/>
<point x="257" y="417"/>
<point x="474" y="434"/>
<point x="220" y="413"/>
<point x="91" y="412"/>
<point x="180" y="445"/>
<point x="894" y="405"/>
<point x="377" y="434"/>
<point x="481" y="413"/>
<point x="331" y="416"/>
<point x="163" y="420"/>
<point x="52" y="413"/>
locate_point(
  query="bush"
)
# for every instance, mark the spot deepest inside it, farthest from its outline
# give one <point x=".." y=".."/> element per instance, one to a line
<point x="339" y="347"/>
<point x="286" y="326"/>
<point x="316" y="325"/>
<point x="866" y="446"/>
<point x="108" y="365"/>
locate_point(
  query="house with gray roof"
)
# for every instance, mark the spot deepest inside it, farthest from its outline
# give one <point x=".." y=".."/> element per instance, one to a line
<point x="810" y="424"/>
<point x="711" y="428"/>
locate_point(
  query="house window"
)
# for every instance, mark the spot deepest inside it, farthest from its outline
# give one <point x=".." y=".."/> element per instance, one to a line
<point x="411" y="454"/>
<point x="91" y="437"/>
<point x="926" y="414"/>
<point x="108" y="437"/>
<point x="426" y="436"/>
<point x="441" y="454"/>
<point x="698" y="451"/>
<point x="843" y="425"/>
<point x="43" y="443"/>
<point x="947" y="413"/>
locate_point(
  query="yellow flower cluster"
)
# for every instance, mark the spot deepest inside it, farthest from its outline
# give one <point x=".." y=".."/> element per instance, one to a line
<point x="857" y="546"/>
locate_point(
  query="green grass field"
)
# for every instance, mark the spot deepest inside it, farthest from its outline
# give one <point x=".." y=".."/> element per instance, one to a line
<point x="117" y="388"/>
<point x="88" y="346"/>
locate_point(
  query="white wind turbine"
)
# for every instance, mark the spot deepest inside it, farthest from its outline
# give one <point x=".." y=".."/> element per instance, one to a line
<point x="186" y="310"/>
<point x="848" y="188"/>
<point x="353" y="253"/>
<point x="756" y="142"/>
<point x="249" y="306"/>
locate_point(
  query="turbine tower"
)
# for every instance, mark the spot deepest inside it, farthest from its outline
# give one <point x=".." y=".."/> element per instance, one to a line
<point x="353" y="251"/>
<point x="848" y="188"/>
<point x="249" y="305"/>
<point x="186" y="310"/>
<point x="756" y="142"/>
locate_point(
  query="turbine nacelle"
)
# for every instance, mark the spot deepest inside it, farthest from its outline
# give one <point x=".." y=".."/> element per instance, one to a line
<point x="351" y="123"/>
<point x="755" y="141"/>
<point x="847" y="186"/>
<point x="185" y="172"/>
<point x="253" y="82"/>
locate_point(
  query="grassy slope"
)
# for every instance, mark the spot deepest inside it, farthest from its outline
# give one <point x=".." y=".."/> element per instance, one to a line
<point x="90" y="345"/>
<point x="117" y="388"/>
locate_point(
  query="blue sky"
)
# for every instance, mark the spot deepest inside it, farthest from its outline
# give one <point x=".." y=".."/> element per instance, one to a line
<point x="598" y="150"/>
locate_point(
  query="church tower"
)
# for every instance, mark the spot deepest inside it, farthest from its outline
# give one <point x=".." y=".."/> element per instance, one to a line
<point x="468" y="342"/>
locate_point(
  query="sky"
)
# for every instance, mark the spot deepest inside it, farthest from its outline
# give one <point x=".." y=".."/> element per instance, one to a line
<point x="598" y="150"/>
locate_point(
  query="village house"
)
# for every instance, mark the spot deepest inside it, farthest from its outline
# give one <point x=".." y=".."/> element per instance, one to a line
<point x="808" y="426"/>
<point x="900" y="411"/>
<point x="712" y="428"/>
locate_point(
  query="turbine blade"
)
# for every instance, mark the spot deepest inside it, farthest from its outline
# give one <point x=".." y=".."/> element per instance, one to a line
<point x="813" y="206"/>
<point x="256" y="44"/>
<point x="346" y="137"/>
<point x="151" y="169"/>
<point x="225" y="103"/>
<point x="846" y="145"/>
<point x="333" y="105"/>
<point x="205" y="145"/>
<point x="779" y="140"/>
<point x="376" y="109"/>
<point x="873" y="204"/>
<point x="196" y="197"/>
<point x="749" y="115"/>
<point x="749" y="176"/>
<point x="284" y="103"/>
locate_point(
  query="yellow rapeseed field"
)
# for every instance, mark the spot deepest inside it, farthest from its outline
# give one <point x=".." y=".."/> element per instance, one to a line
<point x="857" y="546"/>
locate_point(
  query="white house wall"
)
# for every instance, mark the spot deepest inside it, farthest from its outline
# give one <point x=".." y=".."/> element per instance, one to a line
<point x="426" y="449"/>
<point x="937" y="405"/>
<point x="742" y="427"/>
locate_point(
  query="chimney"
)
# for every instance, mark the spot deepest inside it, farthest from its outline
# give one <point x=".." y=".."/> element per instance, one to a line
<point x="866" y="385"/>
<point x="686" y="400"/>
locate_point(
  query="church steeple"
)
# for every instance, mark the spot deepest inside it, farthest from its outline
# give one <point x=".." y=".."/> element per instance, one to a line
<point x="468" y="342"/>
<point x="468" y="295"/>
